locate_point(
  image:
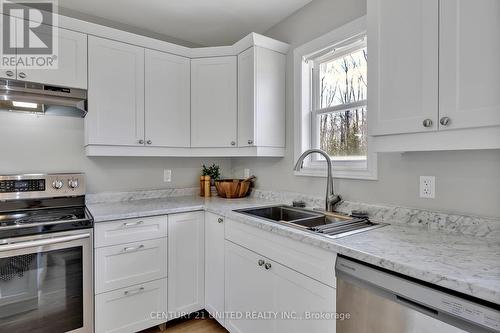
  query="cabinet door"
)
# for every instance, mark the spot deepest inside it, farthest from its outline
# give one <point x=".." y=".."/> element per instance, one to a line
<point x="116" y="93"/>
<point x="214" y="265"/>
<point x="248" y="288"/>
<point x="213" y="102"/>
<point x="71" y="62"/>
<point x="402" y="66"/>
<point x="167" y="100"/>
<point x="9" y="72"/>
<point x="186" y="263"/>
<point x="469" y="67"/>
<point x="246" y="98"/>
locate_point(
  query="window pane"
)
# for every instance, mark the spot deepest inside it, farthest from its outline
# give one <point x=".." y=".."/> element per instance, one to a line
<point x="343" y="80"/>
<point x="344" y="134"/>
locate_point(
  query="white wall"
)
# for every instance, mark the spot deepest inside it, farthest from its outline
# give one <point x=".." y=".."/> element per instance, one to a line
<point x="55" y="144"/>
<point x="466" y="182"/>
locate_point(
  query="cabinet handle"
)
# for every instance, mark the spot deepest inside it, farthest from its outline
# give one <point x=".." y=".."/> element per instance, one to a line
<point x="250" y="142"/>
<point x="220" y="220"/>
<point x="445" y="121"/>
<point x="233" y="143"/>
<point x="133" y="292"/>
<point x="9" y="73"/>
<point x="22" y="75"/>
<point x="133" y="248"/>
<point x="260" y="262"/>
<point x="141" y="142"/>
<point x="267" y="265"/>
<point x="130" y="224"/>
<point x="149" y="142"/>
<point x="427" y="123"/>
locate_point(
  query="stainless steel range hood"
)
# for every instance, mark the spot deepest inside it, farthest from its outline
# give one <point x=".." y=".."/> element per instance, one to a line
<point x="39" y="98"/>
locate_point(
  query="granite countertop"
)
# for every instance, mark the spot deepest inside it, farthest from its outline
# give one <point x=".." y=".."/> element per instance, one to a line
<point x="466" y="264"/>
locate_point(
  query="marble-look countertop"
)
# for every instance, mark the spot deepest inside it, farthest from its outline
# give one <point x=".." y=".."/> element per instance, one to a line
<point x="466" y="264"/>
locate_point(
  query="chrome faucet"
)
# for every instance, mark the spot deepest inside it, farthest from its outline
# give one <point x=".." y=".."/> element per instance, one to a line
<point x="331" y="198"/>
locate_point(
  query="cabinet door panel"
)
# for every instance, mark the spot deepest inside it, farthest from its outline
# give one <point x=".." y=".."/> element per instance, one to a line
<point x="186" y="263"/>
<point x="214" y="265"/>
<point x="469" y="67"/>
<point x="116" y="93"/>
<point x="167" y="99"/>
<point x="246" y="98"/>
<point x="213" y="102"/>
<point x="72" y="62"/>
<point x="402" y="66"/>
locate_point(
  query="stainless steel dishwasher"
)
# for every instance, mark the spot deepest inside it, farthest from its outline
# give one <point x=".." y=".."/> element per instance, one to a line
<point x="372" y="300"/>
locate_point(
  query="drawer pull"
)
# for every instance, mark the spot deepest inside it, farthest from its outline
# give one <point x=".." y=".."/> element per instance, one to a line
<point x="131" y="224"/>
<point x="132" y="248"/>
<point x="133" y="292"/>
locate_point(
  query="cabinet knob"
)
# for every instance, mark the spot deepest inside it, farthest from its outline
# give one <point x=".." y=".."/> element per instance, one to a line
<point x="22" y="75"/>
<point x="9" y="73"/>
<point x="267" y="265"/>
<point x="220" y="220"/>
<point x="233" y="143"/>
<point x="141" y="142"/>
<point x="149" y="142"/>
<point x="427" y="123"/>
<point x="250" y="142"/>
<point x="445" y="121"/>
<point x="260" y="262"/>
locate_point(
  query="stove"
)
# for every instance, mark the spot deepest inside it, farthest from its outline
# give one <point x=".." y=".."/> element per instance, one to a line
<point x="46" y="235"/>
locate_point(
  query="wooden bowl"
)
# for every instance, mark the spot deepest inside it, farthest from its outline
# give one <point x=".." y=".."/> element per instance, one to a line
<point x="232" y="188"/>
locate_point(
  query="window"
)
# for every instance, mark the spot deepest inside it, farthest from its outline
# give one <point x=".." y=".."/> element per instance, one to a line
<point x="331" y="102"/>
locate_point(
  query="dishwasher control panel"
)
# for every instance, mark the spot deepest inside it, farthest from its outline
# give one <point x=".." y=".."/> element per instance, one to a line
<point x="471" y="312"/>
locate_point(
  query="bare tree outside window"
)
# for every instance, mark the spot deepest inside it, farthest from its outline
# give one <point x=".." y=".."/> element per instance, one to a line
<point x="341" y="115"/>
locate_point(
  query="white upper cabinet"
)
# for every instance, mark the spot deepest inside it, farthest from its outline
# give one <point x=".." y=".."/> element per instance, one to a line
<point x="167" y="100"/>
<point x="469" y="63"/>
<point x="116" y="93"/>
<point x="72" y="63"/>
<point x="261" y="98"/>
<point x="213" y="102"/>
<point x="402" y="66"/>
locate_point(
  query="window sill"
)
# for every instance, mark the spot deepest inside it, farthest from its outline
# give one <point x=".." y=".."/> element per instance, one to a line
<point x="364" y="174"/>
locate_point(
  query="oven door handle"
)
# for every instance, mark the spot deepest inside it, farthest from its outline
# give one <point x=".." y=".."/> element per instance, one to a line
<point x="42" y="242"/>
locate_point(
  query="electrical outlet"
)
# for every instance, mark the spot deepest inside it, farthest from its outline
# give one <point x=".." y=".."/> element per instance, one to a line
<point x="246" y="173"/>
<point x="167" y="175"/>
<point x="428" y="187"/>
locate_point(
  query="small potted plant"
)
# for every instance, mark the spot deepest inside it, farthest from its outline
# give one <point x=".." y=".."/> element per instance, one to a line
<point x="208" y="177"/>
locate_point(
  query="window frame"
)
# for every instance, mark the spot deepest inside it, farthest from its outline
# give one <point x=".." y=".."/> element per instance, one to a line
<point x="347" y="38"/>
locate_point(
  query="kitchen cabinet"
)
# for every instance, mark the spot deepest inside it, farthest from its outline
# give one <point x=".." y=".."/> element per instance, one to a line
<point x="469" y="71"/>
<point x="167" y="103"/>
<point x="261" y="98"/>
<point x="214" y="265"/>
<point x="213" y="102"/>
<point x="256" y="283"/>
<point x="186" y="263"/>
<point x="116" y="93"/>
<point x="71" y="68"/>
<point x="402" y="66"/>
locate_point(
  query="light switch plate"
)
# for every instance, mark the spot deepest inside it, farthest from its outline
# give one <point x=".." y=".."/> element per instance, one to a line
<point x="167" y="175"/>
<point x="246" y="173"/>
<point x="427" y="187"/>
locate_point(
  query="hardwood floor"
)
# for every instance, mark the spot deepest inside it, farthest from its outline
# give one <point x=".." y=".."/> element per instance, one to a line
<point x="190" y="326"/>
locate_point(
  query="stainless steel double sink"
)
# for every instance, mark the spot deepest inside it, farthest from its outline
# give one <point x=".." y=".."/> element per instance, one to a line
<point x="326" y="223"/>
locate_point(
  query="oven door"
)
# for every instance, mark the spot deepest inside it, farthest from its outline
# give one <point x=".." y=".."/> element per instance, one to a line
<point x="46" y="283"/>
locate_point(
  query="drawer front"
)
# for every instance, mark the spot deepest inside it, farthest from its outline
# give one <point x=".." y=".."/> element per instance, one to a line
<point x="307" y="259"/>
<point x="128" y="264"/>
<point x="130" y="230"/>
<point x="130" y="309"/>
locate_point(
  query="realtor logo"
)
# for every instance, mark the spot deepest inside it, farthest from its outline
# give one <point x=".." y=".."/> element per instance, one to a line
<point x="29" y="34"/>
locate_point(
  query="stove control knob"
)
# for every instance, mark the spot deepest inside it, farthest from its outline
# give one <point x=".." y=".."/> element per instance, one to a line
<point x="73" y="183"/>
<point x="57" y="184"/>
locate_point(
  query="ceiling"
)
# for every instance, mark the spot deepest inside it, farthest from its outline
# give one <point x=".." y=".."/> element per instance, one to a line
<point x="202" y="22"/>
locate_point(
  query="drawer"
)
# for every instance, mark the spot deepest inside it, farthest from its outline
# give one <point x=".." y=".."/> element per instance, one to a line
<point x="130" y="309"/>
<point x="130" y="230"/>
<point x="307" y="259"/>
<point x="131" y="263"/>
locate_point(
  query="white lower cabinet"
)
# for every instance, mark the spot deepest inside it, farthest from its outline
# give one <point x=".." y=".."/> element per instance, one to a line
<point x="186" y="263"/>
<point x="131" y="309"/>
<point x="214" y="265"/>
<point x="257" y="287"/>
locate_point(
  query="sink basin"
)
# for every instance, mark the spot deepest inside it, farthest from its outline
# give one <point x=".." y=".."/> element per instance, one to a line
<point x="325" y="223"/>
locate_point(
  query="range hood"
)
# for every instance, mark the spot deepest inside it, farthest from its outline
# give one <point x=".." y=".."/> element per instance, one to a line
<point x="22" y="96"/>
